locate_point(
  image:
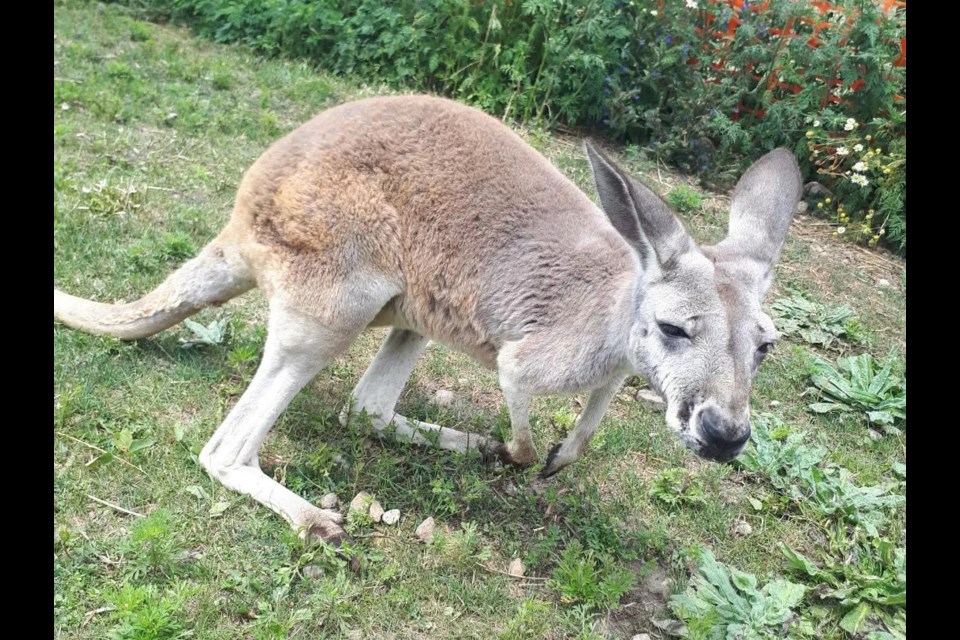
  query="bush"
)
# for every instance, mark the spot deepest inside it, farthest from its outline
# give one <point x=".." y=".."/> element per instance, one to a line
<point x="708" y="85"/>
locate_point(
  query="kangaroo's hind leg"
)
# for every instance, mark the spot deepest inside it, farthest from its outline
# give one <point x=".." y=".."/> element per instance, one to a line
<point x="381" y="385"/>
<point x="299" y="344"/>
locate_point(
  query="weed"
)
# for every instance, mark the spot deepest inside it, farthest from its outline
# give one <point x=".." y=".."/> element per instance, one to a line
<point x="861" y="383"/>
<point x="532" y="620"/>
<point x="815" y="323"/>
<point x="797" y="470"/>
<point x="685" y="199"/>
<point x="212" y="334"/>
<point x="675" y="488"/>
<point x="152" y="546"/>
<point x="583" y="576"/>
<point x="869" y="585"/>
<point x="723" y="602"/>
<point x="147" y="613"/>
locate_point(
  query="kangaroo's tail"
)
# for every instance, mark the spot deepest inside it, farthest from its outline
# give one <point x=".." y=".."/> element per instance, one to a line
<point x="216" y="275"/>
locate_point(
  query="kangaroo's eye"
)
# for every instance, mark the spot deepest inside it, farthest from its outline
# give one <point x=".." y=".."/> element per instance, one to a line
<point x="672" y="330"/>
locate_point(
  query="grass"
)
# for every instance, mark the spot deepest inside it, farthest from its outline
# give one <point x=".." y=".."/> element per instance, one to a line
<point x="152" y="131"/>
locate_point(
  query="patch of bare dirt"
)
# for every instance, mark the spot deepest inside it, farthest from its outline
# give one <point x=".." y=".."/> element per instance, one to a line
<point x="646" y="602"/>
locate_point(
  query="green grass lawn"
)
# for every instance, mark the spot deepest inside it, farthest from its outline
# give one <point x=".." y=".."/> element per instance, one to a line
<point x="153" y="129"/>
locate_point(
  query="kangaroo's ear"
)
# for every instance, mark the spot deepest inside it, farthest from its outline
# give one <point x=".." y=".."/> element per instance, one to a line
<point x="761" y="208"/>
<point x="640" y="215"/>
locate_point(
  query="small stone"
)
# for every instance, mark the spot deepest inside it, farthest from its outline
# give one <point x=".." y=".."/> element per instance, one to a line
<point x="444" y="398"/>
<point x="516" y="568"/>
<point x="651" y="399"/>
<point x="802" y="207"/>
<point x="874" y="434"/>
<point x="774" y="403"/>
<point x="641" y="636"/>
<point x="510" y="489"/>
<point x="376" y="511"/>
<point x="742" y="528"/>
<point x="329" y="501"/>
<point x="312" y="572"/>
<point x="424" y="532"/>
<point x="391" y="517"/>
<point x="361" y="502"/>
<point x="883" y="282"/>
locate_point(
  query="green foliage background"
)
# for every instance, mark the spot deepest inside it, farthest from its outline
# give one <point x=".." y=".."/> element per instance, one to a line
<point x="708" y="89"/>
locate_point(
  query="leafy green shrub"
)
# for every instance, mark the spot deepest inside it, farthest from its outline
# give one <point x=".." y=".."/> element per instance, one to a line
<point x="869" y="585"/>
<point x="813" y="322"/>
<point x="684" y="199"/>
<point x="861" y="383"/>
<point x="722" y="602"/>
<point x="144" y="613"/>
<point x="675" y="488"/>
<point x="797" y="471"/>
<point x="587" y="577"/>
<point x="152" y="546"/>
<point x="779" y="454"/>
<point x="707" y="85"/>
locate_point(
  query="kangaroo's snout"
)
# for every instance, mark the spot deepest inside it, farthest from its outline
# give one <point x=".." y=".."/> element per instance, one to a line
<point x="724" y="437"/>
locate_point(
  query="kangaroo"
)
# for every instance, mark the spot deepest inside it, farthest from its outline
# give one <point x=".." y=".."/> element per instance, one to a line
<point x="437" y="220"/>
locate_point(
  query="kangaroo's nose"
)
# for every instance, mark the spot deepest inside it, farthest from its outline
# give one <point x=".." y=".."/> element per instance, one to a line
<point x="724" y="436"/>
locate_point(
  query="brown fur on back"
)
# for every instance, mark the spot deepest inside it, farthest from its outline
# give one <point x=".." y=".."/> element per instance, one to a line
<point x="418" y="189"/>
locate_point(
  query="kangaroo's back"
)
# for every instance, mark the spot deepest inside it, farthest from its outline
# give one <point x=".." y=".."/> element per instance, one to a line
<point x="444" y="199"/>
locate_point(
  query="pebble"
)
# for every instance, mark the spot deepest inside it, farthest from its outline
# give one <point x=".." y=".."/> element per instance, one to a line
<point x="329" y="501"/>
<point x="391" y="517"/>
<point x="424" y="531"/>
<point x="376" y="511"/>
<point x="361" y="501"/>
<point x="743" y="528"/>
<point x="516" y="568"/>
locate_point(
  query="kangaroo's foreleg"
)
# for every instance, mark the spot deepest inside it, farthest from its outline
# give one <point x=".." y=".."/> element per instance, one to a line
<point x="573" y="446"/>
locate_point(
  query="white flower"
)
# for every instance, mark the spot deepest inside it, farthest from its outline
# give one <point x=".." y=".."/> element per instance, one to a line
<point x="850" y="124"/>
<point x="860" y="166"/>
<point x="859" y="179"/>
<point x="816" y="123"/>
<point x="653" y="12"/>
<point x="841" y="230"/>
<point x="858" y="147"/>
<point x="692" y="4"/>
<point x="843" y="151"/>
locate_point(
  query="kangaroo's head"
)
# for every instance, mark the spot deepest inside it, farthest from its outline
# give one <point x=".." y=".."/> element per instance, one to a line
<point x="699" y="333"/>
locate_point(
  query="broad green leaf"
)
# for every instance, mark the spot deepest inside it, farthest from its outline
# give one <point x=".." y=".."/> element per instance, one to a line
<point x="854" y="618"/>
<point x="122" y="440"/>
<point x="141" y="444"/>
